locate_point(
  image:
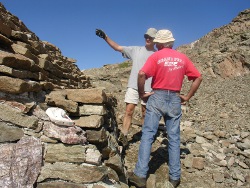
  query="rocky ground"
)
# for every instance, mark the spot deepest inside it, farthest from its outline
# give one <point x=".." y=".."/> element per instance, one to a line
<point x="215" y="138"/>
<point x="219" y="112"/>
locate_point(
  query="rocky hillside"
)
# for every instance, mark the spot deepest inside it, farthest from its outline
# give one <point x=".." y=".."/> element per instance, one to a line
<point x="223" y="52"/>
<point x="216" y="122"/>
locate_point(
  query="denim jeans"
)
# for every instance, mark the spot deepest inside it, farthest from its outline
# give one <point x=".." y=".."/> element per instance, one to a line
<point x="166" y="104"/>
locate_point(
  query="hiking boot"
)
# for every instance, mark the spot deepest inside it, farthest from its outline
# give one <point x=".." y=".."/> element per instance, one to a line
<point x="175" y="183"/>
<point x="137" y="181"/>
<point x="123" y="140"/>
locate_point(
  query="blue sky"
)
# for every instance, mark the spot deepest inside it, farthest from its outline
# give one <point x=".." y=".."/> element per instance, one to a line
<point x="70" y="24"/>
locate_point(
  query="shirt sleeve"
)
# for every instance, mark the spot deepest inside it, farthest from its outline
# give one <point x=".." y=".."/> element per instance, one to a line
<point x="191" y="71"/>
<point x="128" y="52"/>
<point x="149" y="68"/>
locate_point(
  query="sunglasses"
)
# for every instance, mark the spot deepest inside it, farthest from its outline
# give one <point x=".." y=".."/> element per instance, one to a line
<point x="148" y="37"/>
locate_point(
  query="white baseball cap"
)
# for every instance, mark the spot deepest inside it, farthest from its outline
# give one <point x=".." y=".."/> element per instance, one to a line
<point x="164" y="36"/>
<point x="151" y="32"/>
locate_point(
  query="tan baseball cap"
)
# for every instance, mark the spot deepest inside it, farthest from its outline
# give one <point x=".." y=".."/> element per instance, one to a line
<point x="151" y="32"/>
<point x="164" y="36"/>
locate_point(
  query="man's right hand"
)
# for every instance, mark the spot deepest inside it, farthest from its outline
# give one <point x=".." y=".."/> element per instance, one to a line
<point x="100" y="33"/>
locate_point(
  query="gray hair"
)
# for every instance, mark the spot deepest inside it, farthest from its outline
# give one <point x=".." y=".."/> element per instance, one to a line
<point x="168" y="44"/>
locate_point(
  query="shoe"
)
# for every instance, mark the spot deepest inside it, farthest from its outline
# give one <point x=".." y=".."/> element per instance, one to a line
<point x="123" y="140"/>
<point x="137" y="181"/>
<point x="175" y="183"/>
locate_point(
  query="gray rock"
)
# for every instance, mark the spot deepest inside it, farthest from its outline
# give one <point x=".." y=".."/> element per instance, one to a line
<point x="218" y="177"/>
<point x="94" y="121"/>
<point x="72" y="172"/>
<point x="10" y="133"/>
<point x="63" y="153"/>
<point x="11" y="115"/>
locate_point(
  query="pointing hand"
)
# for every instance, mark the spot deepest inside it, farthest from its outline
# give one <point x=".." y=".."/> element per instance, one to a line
<point x="100" y="33"/>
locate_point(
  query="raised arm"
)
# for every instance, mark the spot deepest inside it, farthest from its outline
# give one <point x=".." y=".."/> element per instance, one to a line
<point x="100" y="33"/>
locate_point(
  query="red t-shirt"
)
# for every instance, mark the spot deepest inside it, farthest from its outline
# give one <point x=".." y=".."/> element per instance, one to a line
<point x="168" y="68"/>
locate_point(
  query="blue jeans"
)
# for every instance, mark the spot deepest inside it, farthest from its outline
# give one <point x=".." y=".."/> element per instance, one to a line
<point x="166" y="104"/>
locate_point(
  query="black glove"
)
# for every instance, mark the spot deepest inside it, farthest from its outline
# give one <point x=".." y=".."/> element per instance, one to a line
<point x="100" y="33"/>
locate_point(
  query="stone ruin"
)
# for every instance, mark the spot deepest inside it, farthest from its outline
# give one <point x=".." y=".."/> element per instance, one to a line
<point x="36" y="152"/>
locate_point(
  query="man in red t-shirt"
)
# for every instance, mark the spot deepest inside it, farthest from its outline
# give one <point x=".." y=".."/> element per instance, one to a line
<point x="167" y="67"/>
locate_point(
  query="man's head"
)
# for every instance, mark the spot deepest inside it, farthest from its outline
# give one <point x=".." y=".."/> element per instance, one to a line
<point x="151" y="32"/>
<point x="149" y="36"/>
<point x="164" y="38"/>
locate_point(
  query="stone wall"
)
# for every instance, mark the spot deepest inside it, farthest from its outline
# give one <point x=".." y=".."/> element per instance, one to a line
<point x="29" y="64"/>
<point x="35" y="151"/>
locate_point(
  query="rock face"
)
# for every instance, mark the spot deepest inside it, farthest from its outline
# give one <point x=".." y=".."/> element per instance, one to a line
<point x="224" y="52"/>
<point x="37" y="152"/>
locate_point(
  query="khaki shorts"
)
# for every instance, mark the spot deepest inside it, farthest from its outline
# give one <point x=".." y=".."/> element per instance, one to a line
<point x="132" y="96"/>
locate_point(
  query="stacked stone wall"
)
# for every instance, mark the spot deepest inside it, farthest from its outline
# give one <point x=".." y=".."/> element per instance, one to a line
<point x="35" y="150"/>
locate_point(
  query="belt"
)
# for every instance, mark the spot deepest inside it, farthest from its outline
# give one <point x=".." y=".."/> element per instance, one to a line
<point x="171" y="91"/>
